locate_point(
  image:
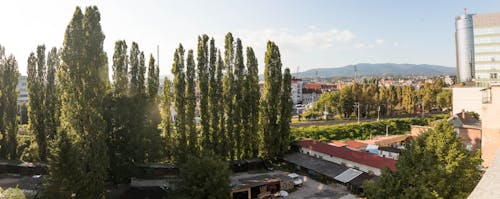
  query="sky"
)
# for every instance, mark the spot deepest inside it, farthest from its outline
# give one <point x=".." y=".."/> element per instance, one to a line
<point x="310" y="34"/>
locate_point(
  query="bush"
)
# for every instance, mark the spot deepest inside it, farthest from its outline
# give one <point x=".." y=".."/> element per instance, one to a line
<point x="360" y="131"/>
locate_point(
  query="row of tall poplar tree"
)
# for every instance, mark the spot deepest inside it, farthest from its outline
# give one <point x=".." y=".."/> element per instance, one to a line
<point x="92" y="131"/>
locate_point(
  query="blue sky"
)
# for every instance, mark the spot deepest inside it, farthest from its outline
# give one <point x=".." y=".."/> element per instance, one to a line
<point x="309" y="33"/>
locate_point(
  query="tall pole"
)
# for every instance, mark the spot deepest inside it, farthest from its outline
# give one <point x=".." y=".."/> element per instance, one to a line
<point x="356" y="104"/>
<point x="378" y="113"/>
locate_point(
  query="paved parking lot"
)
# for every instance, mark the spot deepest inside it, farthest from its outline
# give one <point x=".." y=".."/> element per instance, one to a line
<point x="312" y="189"/>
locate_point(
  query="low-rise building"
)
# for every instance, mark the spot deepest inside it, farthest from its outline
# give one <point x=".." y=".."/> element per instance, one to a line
<point x="468" y="127"/>
<point x="389" y="152"/>
<point x="362" y="161"/>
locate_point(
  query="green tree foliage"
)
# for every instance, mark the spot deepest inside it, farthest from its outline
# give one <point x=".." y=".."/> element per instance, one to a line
<point x="435" y="165"/>
<point x="179" y="86"/>
<point x="285" y="115"/>
<point x="228" y="95"/>
<point x="270" y="101"/>
<point x="443" y="99"/>
<point x="83" y="82"/>
<point x="221" y="137"/>
<point x="238" y="94"/>
<point x="9" y="75"/>
<point x="43" y="103"/>
<point x="214" y="97"/>
<point x="361" y="131"/>
<point x="371" y="95"/>
<point x="203" y="87"/>
<point x="166" y="119"/>
<point x="36" y="79"/>
<point x="153" y="78"/>
<point x="12" y="193"/>
<point x="51" y="102"/>
<point x="205" y="177"/>
<point x="120" y="68"/>
<point x="191" y="104"/>
<point x="252" y="97"/>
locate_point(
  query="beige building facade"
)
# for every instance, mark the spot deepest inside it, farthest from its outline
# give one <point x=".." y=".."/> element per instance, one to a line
<point x="490" y="140"/>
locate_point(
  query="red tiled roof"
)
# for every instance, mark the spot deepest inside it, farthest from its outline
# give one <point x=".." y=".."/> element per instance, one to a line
<point x="355" y="144"/>
<point x="337" y="143"/>
<point x="347" y="154"/>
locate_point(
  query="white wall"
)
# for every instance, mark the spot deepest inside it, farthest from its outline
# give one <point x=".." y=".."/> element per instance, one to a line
<point x="468" y="99"/>
<point x="347" y="163"/>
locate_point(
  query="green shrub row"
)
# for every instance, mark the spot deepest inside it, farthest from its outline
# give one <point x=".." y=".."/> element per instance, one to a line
<point x="361" y="131"/>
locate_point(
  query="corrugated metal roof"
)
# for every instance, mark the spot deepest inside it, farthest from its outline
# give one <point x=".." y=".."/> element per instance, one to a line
<point x="348" y="175"/>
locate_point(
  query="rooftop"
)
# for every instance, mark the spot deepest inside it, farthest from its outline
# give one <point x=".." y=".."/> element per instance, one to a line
<point x="347" y="154"/>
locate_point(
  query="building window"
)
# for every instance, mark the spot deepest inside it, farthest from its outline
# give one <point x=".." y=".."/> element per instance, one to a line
<point x="493" y="75"/>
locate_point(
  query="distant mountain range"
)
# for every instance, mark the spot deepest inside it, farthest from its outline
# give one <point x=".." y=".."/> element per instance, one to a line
<point x="378" y="70"/>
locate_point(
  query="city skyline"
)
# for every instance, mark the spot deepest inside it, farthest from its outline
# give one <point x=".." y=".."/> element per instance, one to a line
<point x="322" y="34"/>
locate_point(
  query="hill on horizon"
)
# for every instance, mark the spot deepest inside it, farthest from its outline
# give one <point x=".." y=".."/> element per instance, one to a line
<point x="378" y="70"/>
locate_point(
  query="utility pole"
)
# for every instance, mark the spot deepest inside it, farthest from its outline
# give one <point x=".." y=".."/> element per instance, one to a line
<point x="356" y="104"/>
<point x="378" y="113"/>
<point x="386" y="130"/>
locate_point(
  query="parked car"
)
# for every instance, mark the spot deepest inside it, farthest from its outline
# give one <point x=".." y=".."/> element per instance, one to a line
<point x="297" y="181"/>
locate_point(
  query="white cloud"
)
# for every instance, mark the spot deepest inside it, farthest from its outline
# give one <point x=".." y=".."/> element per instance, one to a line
<point x="395" y="44"/>
<point x="379" y="41"/>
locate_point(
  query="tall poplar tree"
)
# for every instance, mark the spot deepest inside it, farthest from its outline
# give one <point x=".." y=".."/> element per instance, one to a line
<point x="179" y="85"/>
<point x="228" y="95"/>
<point x="203" y="87"/>
<point x="270" y="102"/>
<point x="82" y="92"/>
<point x="239" y="107"/>
<point x="120" y="68"/>
<point x="35" y="80"/>
<point x="285" y="116"/>
<point x="166" y="118"/>
<point x="51" y="103"/>
<point x="9" y="75"/>
<point x="213" y="99"/>
<point x="252" y="97"/>
<point x="153" y="78"/>
<point x="191" y="104"/>
<point x="221" y="135"/>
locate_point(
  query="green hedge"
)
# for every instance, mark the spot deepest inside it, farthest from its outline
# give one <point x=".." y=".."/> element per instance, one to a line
<point x="360" y="131"/>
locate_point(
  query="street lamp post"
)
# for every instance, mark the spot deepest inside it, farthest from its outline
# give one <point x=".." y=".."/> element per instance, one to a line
<point x="356" y="104"/>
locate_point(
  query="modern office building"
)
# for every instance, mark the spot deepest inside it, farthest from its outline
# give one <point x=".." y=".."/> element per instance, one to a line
<point x="487" y="48"/>
<point x="477" y="40"/>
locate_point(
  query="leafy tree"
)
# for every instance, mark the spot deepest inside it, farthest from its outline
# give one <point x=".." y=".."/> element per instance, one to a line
<point x="36" y="79"/>
<point x="166" y="122"/>
<point x="83" y="82"/>
<point x="153" y="78"/>
<point x="51" y="106"/>
<point x="205" y="177"/>
<point x="221" y="136"/>
<point x="443" y="99"/>
<point x="179" y="85"/>
<point x="203" y="87"/>
<point x="270" y="101"/>
<point x="213" y="98"/>
<point x="435" y="165"/>
<point x="238" y="94"/>
<point x="346" y="101"/>
<point x="8" y="125"/>
<point x="191" y="104"/>
<point x="12" y="193"/>
<point x="228" y="94"/>
<point x="285" y="115"/>
<point x="408" y="100"/>
<point x="120" y="68"/>
<point x="252" y="97"/>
